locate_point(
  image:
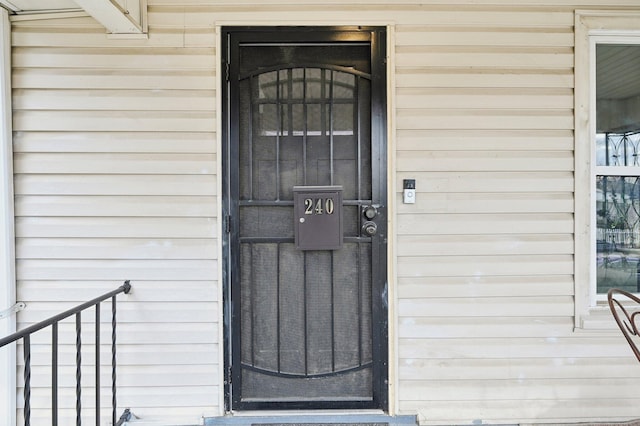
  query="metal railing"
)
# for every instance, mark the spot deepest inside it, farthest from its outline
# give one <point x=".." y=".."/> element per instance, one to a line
<point x="53" y="322"/>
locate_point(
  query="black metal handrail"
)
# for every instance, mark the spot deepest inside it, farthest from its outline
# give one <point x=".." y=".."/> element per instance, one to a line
<point x="52" y="322"/>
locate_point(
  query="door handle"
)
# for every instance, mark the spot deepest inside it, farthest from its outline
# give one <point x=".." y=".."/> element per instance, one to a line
<point x="369" y="228"/>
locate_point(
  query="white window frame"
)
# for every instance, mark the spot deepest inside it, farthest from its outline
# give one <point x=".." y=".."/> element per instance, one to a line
<point x="592" y="27"/>
<point x="7" y="240"/>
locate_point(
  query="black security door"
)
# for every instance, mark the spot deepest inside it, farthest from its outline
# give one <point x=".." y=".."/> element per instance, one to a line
<point x="304" y="108"/>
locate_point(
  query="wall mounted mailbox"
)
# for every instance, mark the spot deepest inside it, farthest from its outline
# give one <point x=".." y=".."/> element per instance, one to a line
<point x="318" y="217"/>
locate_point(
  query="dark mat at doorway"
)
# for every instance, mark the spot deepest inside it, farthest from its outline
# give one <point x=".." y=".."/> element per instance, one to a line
<point x="320" y="424"/>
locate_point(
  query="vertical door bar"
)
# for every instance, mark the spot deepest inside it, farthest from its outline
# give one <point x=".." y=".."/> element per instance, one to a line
<point x="279" y="133"/>
<point x="250" y="133"/>
<point x="331" y="123"/>
<point x="358" y="137"/>
<point x="252" y="304"/>
<point x="278" y="306"/>
<point x="333" y="313"/>
<point x="360" y="299"/>
<point x="306" y="314"/>
<point x="305" y="125"/>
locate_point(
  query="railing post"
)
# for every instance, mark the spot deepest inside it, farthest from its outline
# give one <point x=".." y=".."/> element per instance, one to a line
<point x="54" y="374"/>
<point x="78" y="368"/>
<point x="113" y="360"/>
<point x="98" y="364"/>
<point x="26" y="346"/>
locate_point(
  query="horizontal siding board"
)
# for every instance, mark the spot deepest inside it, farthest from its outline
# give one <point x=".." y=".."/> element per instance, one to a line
<point x="449" y="327"/>
<point x="114" y="100"/>
<point x="605" y="346"/>
<point x="506" y="307"/>
<point x="114" y="163"/>
<point x="505" y="390"/>
<point x="468" y="224"/>
<point x="483" y="119"/>
<point x="485" y="245"/>
<point x="485" y="286"/>
<point x="491" y="140"/>
<point x="438" y="35"/>
<point x="114" y="142"/>
<point x="152" y="291"/>
<point x="104" y="269"/>
<point x="492" y="161"/>
<point x="521" y="368"/>
<point x="118" y="121"/>
<point x="46" y="78"/>
<point x="113" y="57"/>
<point x="130" y="206"/>
<point x="499" y="57"/>
<point x="438" y="266"/>
<point x="120" y="248"/>
<point x="66" y="184"/>
<point x="495" y="98"/>
<point x="488" y="203"/>
<point x="126" y="227"/>
<point x="470" y="182"/>
<point x="486" y="77"/>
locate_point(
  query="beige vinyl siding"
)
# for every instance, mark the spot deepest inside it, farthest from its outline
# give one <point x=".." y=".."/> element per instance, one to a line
<point x="485" y="257"/>
<point x="115" y="176"/>
<point x="116" y="159"/>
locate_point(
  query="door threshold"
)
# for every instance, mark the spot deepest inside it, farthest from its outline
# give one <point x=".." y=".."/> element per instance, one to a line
<point x="311" y="417"/>
<point x="297" y="413"/>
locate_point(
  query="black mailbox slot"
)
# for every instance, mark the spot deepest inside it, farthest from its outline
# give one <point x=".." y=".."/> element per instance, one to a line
<point x="318" y="217"/>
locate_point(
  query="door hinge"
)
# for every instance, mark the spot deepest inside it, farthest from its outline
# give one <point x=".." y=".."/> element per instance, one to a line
<point x="226" y="71"/>
<point x="227" y="224"/>
<point x="229" y="375"/>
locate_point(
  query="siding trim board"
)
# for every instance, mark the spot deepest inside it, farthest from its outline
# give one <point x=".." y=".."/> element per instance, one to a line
<point x="7" y="239"/>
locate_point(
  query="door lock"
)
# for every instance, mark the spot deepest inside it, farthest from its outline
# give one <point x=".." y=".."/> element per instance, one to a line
<point x="370" y="212"/>
<point x="369" y="228"/>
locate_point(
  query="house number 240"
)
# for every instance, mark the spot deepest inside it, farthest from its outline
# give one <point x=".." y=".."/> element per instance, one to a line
<point x="318" y="206"/>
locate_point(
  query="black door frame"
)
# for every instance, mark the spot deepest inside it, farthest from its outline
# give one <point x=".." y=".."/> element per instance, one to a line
<point x="232" y="37"/>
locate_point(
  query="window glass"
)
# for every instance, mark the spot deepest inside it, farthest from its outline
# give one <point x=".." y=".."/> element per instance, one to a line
<point x="617" y="170"/>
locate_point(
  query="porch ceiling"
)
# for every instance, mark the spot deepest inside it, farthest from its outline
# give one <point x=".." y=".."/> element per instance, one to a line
<point x="39" y="6"/>
<point x="117" y="16"/>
